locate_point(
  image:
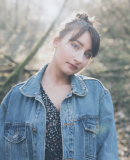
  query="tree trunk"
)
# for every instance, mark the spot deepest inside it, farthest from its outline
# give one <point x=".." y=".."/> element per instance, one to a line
<point x="16" y="15"/>
<point x="14" y="76"/>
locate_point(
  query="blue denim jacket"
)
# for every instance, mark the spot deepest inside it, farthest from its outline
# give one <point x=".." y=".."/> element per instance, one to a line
<point x="87" y="121"/>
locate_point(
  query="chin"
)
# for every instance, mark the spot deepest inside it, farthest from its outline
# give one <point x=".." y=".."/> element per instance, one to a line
<point x="69" y="72"/>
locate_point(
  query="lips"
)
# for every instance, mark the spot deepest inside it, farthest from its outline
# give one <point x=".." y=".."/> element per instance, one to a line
<point x="73" y="65"/>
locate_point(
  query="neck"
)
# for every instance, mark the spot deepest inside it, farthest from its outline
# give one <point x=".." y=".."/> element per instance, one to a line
<point x="54" y="76"/>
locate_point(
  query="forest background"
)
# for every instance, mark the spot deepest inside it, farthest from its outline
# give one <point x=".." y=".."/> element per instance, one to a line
<point x="27" y="28"/>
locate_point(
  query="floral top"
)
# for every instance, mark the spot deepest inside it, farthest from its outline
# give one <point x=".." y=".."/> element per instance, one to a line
<point x="53" y="145"/>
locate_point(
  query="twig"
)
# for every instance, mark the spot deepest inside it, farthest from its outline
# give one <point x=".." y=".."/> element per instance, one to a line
<point x="10" y="59"/>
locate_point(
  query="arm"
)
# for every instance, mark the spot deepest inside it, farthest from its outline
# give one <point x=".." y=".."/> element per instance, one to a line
<point x="107" y="138"/>
<point x="3" y="111"/>
<point x="2" y="139"/>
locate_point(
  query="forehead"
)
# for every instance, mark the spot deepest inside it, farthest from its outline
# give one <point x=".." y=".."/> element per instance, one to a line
<point x="84" y="38"/>
<point x="74" y="32"/>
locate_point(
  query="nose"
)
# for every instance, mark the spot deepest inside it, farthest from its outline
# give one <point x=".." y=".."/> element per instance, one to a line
<point x="79" y="57"/>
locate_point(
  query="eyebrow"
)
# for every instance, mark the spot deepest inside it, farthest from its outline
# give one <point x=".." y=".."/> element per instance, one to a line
<point x="79" y="42"/>
<point x="82" y="45"/>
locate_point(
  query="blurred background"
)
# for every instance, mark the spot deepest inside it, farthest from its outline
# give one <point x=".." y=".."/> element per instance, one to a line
<point x="27" y="28"/>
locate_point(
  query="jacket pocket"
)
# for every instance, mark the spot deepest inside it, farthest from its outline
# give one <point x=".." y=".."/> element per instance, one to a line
<point x="91" y="129"/>
<point x="15" y="141"/>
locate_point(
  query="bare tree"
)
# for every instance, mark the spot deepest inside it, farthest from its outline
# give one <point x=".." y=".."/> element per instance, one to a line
<point x="25" y="17"/>
<point x="14" y="76"/>
<point x="3" y="14"/>
<point x="16" y="14"/>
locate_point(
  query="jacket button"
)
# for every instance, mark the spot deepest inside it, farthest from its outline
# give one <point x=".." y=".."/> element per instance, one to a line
<point x="34" y="130"/>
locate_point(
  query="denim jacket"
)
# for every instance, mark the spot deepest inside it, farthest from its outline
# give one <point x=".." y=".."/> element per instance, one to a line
<point x="87" y="121"/>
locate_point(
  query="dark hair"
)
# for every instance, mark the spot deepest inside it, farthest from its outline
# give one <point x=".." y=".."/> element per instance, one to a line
<point x="82" y="23"/>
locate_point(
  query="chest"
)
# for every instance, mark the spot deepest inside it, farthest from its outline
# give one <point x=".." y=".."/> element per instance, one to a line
<point x="77" y="116"/>
<point x="57" y="94"/>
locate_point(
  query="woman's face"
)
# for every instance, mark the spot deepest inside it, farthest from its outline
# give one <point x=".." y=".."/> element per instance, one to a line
<point x="69" y="53"/>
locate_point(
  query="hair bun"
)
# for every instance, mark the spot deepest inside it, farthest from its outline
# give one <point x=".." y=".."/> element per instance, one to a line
<point x="82" y="16"/>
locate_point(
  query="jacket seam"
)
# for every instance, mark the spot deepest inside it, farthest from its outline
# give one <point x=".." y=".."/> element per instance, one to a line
<point x="4" y="108"/>
<point x="97" y="81"/>
<point x="103" y="97"/>
<point x="19" y="84"/>
<point x="105" y="89"/>
<point x="93" y="79"/>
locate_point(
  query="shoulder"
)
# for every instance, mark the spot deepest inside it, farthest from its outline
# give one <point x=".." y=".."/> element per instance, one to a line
<point x="13" y="94"/>
<point x="16" y="88"/>
<point x="94" y="85"/>
<point x="92" y="80"/>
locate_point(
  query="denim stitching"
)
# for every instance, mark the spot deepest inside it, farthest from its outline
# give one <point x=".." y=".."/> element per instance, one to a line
<point x="103" y="97"/>
<point x="4" y="108"/>
<point x="8" y="149"/>
<point x="24" y="150"/>
<point x="84" y="117"/>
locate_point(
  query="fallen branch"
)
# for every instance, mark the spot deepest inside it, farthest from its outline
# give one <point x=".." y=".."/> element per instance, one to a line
<point x="10" y="59"/>
<point x="12" y="69"/>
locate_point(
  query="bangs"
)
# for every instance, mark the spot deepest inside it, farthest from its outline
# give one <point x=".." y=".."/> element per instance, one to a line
<point x="79" y="32"/>
<point x="94" y="36"/>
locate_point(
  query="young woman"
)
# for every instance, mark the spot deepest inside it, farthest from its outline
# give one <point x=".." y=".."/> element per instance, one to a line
<point x="58" y="114"/>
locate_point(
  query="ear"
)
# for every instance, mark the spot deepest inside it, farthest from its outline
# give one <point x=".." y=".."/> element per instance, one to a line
<point x="55" y="42"/>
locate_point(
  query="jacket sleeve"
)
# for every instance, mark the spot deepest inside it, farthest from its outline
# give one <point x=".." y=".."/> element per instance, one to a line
<point x="2" y="139"/>
<point x="107" y="138"/>
<point x="3" y="111"/>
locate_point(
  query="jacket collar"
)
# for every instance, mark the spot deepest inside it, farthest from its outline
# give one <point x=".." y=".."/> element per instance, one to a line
<point x="31" y="88"/>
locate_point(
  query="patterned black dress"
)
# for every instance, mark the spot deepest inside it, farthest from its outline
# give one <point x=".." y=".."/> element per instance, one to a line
<point x="53" y="145"/>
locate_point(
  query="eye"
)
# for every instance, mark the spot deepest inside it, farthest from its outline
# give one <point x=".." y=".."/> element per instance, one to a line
<point x="75" y="46"/>
<point x="88" y="55"/>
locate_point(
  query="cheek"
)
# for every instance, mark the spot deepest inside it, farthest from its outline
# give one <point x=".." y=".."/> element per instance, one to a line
<point x="85" y="63"/>
<point x="65" y="51"/>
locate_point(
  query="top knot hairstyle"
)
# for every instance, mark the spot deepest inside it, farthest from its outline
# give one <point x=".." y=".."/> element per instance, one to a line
<point x="82" y="16"/>
<point x="81" y="22"/>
